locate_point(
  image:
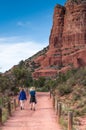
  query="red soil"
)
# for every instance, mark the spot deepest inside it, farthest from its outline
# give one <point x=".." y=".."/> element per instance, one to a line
<point x="43" y="118"/>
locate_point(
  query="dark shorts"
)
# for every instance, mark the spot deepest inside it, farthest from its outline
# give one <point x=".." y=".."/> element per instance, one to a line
<point x="33" y="99"/>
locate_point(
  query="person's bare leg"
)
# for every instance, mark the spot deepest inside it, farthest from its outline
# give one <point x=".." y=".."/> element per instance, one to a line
<point x="33" y="106"/>
<point x="21" y="104"/>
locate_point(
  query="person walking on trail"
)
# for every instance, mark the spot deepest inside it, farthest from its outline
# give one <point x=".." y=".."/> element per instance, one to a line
<point x="32" y="98"/>
<point x="22" y="97"/>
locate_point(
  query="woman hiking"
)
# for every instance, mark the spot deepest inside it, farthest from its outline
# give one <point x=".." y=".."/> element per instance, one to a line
<point x="22" y="97"/>
<point x="32" y="98"/>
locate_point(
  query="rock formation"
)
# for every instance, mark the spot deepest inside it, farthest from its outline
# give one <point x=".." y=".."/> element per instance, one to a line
<point x="67" y="41"/>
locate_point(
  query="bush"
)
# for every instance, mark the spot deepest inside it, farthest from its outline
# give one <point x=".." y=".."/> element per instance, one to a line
<point x="43" y="89"/>
<point x="76" y="96"/>
<point x="4" y="115"/>
<point x="64" y="89"/>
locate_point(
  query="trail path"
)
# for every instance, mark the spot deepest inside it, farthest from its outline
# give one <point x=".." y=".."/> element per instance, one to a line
<point x="43" y="118"/>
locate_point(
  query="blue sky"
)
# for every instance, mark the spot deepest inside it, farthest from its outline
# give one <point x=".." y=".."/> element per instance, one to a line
<point x="24" y="29"/>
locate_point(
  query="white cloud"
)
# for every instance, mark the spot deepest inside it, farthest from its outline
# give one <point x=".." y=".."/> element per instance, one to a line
<point x="8" y="39"/>
<point x="12" y="54"/>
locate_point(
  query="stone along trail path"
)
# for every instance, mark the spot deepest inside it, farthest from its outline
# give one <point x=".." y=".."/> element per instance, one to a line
<point x="43" y="118"/>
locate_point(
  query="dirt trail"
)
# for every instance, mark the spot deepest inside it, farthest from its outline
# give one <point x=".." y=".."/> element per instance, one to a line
<point x="44" y="118"/>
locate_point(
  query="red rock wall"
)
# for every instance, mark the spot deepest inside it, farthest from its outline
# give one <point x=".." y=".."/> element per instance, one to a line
<point x="67" y="41"/>
<point x="74" y="34"/>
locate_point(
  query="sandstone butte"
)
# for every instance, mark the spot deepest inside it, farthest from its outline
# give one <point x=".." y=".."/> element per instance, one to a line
<point x="67" y="41"/>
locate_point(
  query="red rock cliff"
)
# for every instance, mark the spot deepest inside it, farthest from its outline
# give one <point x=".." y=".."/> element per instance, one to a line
<point x="67" y="42"/>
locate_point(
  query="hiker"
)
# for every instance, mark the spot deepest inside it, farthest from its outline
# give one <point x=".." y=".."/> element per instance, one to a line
<point x="22" y="97"/>
<point x="32" y="98"/>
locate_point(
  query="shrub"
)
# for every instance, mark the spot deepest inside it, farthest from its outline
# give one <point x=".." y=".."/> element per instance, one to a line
<point x="43" y="89"/>
<point x="64" y="89"/>
<point x="4" y="115"/>
<point x="76" y="96"/>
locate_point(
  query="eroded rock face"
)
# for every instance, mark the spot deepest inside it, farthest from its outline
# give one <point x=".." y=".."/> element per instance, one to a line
<point x="74" y="35"/>
<point x="67" y="41"/>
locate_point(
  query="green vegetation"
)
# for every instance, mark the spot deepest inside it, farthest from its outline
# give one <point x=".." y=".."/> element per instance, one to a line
<point x="4" y="115"/>
<point x="4" y="83"/>
<point x="64" y="89"/>
<point x="43" y="84"/>
<point x="42" y="52"/>
<point x="70" y="90"/>
<point x="63" y="123"/>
